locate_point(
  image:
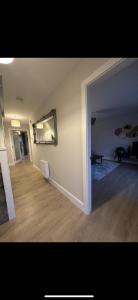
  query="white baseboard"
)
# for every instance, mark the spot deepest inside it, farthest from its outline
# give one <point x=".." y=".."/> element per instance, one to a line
<point x="65" y="192"/>
<point x="123" y="161"/>
<point x="38" y="169"/>
<point x="130" y="162"/>
<point x="11" y="164"/>
<point x="108" y="158"/>
<point x="69" y="195"/>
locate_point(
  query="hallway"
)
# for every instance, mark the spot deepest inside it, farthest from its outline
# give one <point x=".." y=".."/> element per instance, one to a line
<point x="43" y="214"/>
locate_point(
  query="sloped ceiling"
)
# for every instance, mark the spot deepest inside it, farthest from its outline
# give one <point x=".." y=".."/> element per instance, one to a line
<point x="32" y="79"/>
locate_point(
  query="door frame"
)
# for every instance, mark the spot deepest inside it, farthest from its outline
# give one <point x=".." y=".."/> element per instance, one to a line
<point x="7" y="183"/>
<point x="12" y="144"/>
<point x="13" y="148"/>
<point x="110" y="67"/>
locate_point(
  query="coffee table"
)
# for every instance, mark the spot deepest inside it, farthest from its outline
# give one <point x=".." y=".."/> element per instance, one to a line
<point x="95" y="157"/>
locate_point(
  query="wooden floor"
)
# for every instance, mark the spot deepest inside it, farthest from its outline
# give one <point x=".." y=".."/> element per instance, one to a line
<point x="43" y="214"/>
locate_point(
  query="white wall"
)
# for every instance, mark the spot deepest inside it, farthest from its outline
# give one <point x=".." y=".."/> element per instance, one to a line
<point x="65" y="159"/>
<point x="104" y="141"/>
<point x="1" y="132"/>
<point x="7" y="127"/>
<point x="1" y="114"/>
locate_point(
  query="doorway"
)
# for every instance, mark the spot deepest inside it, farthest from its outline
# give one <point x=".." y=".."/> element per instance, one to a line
<point x="114" y="109"/>
<point x="20" y="145"/>
<point x="112" y="66"/>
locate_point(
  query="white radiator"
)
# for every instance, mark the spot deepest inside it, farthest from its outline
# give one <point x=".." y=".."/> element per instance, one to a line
<point x="44" y="168"/>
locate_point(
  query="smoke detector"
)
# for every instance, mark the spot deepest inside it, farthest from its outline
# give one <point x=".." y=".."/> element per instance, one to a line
<point x="20" y="99"/>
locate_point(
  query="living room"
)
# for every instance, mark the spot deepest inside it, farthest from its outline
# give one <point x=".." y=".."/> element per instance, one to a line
<point x="114" y="129"/>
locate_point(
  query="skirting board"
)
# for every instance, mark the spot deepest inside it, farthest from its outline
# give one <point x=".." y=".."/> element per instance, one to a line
<point x="11" y="164"/>
<point x="65" y="192"/>
<point x="38" y="169"/>
<point x="70" y="196"/>
<point x="123" y="161"/>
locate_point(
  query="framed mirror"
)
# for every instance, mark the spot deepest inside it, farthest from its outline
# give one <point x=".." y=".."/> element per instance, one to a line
<point x="45" y="130"/>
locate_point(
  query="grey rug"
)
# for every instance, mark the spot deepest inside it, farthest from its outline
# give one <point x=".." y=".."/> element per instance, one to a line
<point x="101" y="170"/>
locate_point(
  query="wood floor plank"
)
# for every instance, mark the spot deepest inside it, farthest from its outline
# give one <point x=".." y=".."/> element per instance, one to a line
<point x="43" y="214"/>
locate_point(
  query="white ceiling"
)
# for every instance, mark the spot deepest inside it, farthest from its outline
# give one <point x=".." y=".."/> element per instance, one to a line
<point x="117" y="94"/>
<point x="33" y="79"/>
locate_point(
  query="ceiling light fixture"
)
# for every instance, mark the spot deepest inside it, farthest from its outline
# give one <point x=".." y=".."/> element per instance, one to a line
<point x="15" y="123"/>
<point x="6" y="60"/>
